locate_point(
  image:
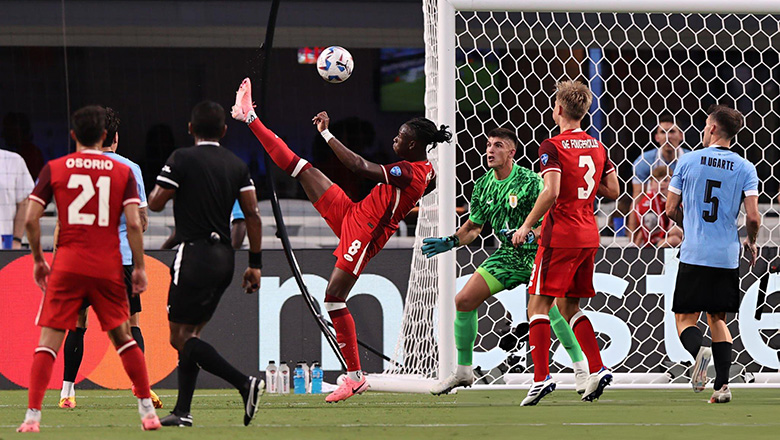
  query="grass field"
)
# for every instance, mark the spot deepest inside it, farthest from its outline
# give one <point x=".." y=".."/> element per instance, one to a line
<point x="621" y="414"/>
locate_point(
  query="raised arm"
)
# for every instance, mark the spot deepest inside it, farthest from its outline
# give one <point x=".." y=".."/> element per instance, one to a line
<point x="353" y="161"/>
<point x="463" y="236"/>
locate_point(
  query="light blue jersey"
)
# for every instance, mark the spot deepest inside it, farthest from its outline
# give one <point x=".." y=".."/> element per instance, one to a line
<point x="124" y="246"/>
<point x="237" y="213"/>
<point x="712" y="182"/>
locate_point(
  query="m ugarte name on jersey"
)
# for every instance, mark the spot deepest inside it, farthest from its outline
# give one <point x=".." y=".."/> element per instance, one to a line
<point x="580" y="143"/>
<point x="717" y="163"/>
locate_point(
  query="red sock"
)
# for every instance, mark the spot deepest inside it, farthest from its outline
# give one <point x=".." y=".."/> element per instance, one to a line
<point x="345" y="330"/>
<point x="135" y="365"/>
<point x="583" y="331"/>
<point x="43" y="361"/>
<point x="539" y="338"/>
<point x="280" y="153"/>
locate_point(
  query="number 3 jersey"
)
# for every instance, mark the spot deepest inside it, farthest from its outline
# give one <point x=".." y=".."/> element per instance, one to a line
<point x="712" y="183"/>
<point x="91" y="191"/>
<point x="582" y="161"/>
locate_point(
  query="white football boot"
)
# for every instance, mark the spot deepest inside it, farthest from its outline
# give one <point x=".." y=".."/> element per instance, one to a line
<point x="538" y="391"/>
<point x="699" y="369"/>
<point x="581" y="374"/>
<point x="596" y="384"/>
<point x="463" y="376"/>
<point x="723" y="395"/>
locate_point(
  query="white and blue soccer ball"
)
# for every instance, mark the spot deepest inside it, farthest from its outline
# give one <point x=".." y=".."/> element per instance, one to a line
<point x="335" y="64"/>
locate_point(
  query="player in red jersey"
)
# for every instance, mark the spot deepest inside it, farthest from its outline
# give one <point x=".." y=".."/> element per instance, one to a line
<point x="575" y="168"/>
<point x="654" y="226"/>
<point x="92" y="192"/>
<point x="364" y="227"/>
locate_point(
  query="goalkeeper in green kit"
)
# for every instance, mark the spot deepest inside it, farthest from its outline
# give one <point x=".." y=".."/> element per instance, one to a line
<point x="504" y="197"/>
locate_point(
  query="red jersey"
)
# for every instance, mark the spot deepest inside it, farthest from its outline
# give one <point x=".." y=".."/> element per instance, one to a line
<point x="389" y="202"/>
<point x="91" y="191"/>
<point x="650" y="213"/>
<point x="582" y="161"/>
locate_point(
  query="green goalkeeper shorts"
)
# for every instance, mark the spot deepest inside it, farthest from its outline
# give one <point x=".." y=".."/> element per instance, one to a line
<point x="507" y="268"/>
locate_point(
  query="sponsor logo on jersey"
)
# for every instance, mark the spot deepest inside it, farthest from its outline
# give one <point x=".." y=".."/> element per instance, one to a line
<point x="166" y="169"/>
<point x="513" y="200"/>
<point x="395" y="171"/>
<point x="544" y="157"/>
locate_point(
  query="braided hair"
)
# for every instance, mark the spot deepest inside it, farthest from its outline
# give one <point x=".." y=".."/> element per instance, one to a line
<point x="426" y="133"/>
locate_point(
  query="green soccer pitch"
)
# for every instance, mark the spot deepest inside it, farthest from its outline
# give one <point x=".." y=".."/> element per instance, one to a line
<point x="620" y="414"/>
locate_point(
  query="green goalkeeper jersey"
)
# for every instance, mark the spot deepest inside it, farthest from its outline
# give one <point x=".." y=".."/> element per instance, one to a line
<point x="505" y="204"/>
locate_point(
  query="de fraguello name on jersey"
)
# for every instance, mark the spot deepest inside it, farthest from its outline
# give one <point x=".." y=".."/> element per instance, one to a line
<point x="580" y="143"/>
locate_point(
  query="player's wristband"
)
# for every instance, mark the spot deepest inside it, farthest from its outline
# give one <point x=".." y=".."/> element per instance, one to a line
<point x="326" y="135"/>
<point x="250" y="117"/>
<point x="256" y="260"/>
<point x="455" y="239"/>
<point x="18" y="240"/>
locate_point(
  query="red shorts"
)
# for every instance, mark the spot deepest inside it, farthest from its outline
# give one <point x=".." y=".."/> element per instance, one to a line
<point x="66" y="292"/>
<point x="563" y="272"/>
<point x="357" y="243"/>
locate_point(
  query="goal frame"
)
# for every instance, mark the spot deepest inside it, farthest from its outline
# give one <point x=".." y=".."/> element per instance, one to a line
<point x="446" y="110"/>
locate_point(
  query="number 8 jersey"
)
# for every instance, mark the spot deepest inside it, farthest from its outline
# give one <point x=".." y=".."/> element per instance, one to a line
<point x="91" y="191"/>
<point x="582" y="161"/>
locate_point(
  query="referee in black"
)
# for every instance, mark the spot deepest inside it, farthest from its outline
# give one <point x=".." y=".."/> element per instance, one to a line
<point x="206" y="180"/>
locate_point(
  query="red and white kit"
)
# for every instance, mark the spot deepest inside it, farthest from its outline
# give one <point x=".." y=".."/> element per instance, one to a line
<point x="364" y="227"/>
<point x="565" y="260"/>
<point x="91" y="191"/>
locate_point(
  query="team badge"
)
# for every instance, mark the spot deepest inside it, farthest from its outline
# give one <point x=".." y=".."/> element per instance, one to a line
<point x="513" y="201"/>
<point x="544" y="157"/>
<point x="395" y="171"/>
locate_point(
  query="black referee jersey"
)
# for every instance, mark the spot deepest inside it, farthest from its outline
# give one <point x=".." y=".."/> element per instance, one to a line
<point x="208" y="179"/>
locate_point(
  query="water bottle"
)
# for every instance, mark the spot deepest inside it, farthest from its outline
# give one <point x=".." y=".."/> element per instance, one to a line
<point x="307" y="376"/>
<point x="283" y="379"/>
<point x="316" y="378"/>
<point x="299" y="379"/>
<point x="271" y="377"/>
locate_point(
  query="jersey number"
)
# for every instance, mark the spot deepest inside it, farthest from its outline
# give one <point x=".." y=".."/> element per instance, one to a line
<point x="353" y="250"/>
<point x="712" y="215"/>
<point x="83" y="181"/>
<point x="587" y="162"/>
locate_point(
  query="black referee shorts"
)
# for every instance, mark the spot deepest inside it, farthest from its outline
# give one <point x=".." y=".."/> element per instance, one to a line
<point x="133" y="300"/>
<point x="706" y="289"/>
<point x="200" y="273"/>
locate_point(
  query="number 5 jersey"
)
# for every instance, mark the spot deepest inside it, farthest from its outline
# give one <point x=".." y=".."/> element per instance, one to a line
<point x="91" y="191"/>
<point x="712" y="182"/>
<point x="582" y="161"/>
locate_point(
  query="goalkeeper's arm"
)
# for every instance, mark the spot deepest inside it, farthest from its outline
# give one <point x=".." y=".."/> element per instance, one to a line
<point x="463" y="236"/>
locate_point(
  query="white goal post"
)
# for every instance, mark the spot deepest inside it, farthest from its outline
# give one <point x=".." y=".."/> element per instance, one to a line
<point x="493" y="63"/>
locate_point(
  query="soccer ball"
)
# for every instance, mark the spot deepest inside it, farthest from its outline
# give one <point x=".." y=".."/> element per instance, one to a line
<point x="335" y="64"/>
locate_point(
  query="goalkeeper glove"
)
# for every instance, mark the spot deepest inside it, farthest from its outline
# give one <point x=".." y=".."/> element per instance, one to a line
<point x="436" y="245"/>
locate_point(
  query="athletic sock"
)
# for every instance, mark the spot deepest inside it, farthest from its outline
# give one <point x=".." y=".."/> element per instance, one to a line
<point x="135" y="366"/>
<point x="279" y="152"/>
<point x="139" y="337"/>
<point x="539" y="338"/>
<point x="465" y="335"/>
<point x="345" y="331"/>
<point x="583" y="330"/>
<point x="691" y="338"/>
<point x="43" y="361"/>
<point x="73" y="353"/>
<point x="565" y="334"/>
<point x="207" y="357"/>
<point x="721" y="354"/>
<point x="187" y="379"/>
<point x="68" y="389"/>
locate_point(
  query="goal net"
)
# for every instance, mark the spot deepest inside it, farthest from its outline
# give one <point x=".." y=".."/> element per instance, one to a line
<point x="498" y="68"/>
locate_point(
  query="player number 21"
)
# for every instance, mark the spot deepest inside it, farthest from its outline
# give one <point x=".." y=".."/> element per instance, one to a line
<point x="587" y="162"/>
<point x="75" y="216"/>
